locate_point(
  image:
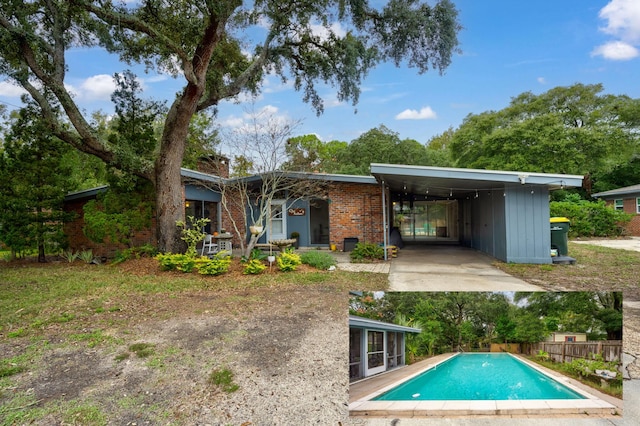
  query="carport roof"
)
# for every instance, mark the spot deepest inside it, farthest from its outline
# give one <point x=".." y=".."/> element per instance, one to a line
<point x="356" y="321"/>
<point x="446" y="181"/>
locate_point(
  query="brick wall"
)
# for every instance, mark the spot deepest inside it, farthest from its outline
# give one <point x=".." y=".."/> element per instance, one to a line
<point x="630" y="206"/>
<point x="355" y="210"/>
<point x="79" y="242"/>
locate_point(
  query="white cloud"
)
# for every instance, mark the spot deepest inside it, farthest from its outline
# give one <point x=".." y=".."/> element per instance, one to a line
<point x="96" y="88"/>
<point x="425" y="113"/>
<point x="623" y="23"/>
<point x="11" y="90"/>
<point x="323" y="32"/>
<point x="541" y="80"/>
<point x="623" y="19"/>
<point x="616" y="51"/>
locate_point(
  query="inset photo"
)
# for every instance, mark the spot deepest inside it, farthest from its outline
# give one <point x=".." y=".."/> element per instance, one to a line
<point x="442" y="354"/>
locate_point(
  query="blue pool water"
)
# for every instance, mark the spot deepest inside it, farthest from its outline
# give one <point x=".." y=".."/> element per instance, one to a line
<point x="480" y="376"/>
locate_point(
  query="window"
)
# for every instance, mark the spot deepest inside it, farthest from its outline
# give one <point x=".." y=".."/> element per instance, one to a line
<point x="638" y="205"/>
<point x="618" y="205"/>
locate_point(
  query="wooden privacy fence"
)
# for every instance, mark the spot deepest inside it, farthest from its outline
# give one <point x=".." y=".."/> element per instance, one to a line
<point x="611" y="350"/>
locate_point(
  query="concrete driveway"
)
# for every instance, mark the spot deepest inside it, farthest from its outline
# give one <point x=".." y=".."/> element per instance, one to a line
<point x="449" y="268"/>
<point x="630" y="243"/>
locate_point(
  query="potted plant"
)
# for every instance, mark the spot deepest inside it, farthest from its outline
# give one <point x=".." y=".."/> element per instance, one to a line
<point x="256" y="229"/>
<point x="296" y="236"/>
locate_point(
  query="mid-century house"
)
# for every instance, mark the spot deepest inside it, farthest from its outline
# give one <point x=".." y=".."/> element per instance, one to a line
<point x="502" y="213"/>
<point x="626" y="199"/>
<point x="567" y="337"/>
<point x="375" y="346"/>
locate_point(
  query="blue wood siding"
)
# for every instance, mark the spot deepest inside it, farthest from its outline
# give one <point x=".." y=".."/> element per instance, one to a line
<point x="200" y="193"/>
<point x="528" y="234"/>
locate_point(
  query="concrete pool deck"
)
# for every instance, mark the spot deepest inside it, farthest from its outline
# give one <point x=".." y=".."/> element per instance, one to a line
<point x="361" y="393"/>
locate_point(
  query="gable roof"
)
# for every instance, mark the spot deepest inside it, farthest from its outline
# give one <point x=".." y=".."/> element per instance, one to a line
<point x="627" y="190"/>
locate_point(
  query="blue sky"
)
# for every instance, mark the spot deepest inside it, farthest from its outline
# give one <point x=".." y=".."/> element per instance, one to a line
<point x="508" y="47"/>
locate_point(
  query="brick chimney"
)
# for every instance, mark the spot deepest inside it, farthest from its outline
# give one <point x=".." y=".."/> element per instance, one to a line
<point x="214" y="164"/>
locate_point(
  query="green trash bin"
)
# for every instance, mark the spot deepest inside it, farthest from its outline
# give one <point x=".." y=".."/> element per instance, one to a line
<point x="560" y="235"/>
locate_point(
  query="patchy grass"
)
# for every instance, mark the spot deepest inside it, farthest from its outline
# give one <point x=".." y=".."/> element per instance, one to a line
<point x="597" y="268"/>
<point x="223" y="379"/>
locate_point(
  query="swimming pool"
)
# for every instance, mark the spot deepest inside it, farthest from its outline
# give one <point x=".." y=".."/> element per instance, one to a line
<point x="480" y="376"/>
<point x="363" y="400"/>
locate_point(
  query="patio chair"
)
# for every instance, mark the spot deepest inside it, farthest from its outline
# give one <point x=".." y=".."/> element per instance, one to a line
<point x="209" y="247"/>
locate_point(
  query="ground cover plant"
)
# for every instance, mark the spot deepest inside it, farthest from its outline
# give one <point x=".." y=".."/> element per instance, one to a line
<point x="130" y="343"/>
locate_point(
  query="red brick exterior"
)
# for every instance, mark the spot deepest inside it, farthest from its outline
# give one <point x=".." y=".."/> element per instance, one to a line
<point x="79" y="242"/>
<point x="355" y="210"/>
<point x="630" y="206"/>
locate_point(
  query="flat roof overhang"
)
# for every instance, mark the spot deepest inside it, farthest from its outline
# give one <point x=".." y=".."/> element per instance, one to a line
<point x="360" y="322"/>
<point x="456" y="183"/>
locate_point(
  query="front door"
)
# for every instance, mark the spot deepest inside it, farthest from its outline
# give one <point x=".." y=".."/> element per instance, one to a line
<point x="278" y="225"/>
<point x="376" y="354"/>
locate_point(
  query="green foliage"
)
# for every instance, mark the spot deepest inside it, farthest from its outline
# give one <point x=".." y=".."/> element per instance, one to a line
<point x="587" y="367"/>
<point x="86" y="256"/>
<point x="176" y="262"/>
<point x="192" y="233"/>
<point x="70" y="256"/>
<point x="542" y="355"/>
<point x="366" y="252"/>
<point x="117" y="215"/>
<point x="590" y="219"/>
<point x="145" y="250"/>
<point x="34" y="178"/>
<point x="254" y="267"/>
<point x="216" y="266"/>
<point x="574" y="130"/>
<point x="223" y="378"/>
<point x="256" y="254"/>
<point x="288" y="261"/>
<point x="318" y="259"/>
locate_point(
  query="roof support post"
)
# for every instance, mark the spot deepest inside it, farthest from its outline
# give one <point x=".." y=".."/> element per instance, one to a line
<point x="384" y="222"/>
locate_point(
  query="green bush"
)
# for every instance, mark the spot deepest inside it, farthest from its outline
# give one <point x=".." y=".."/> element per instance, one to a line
<point x="145" y="250"/>
<point x="288" y="261"/>
<point x="590" y="219"/>
<point x="318" y="259"/>
<point x="254" y="267"/>
<point x="364" y="252"/>
<point x="176" y="262"/>
<point x="215" y="266"/>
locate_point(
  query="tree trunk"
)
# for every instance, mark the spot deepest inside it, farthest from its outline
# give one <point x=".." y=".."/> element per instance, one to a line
<point x="168" y="180"/>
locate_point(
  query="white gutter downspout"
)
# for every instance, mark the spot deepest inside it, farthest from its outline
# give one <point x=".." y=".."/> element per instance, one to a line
<point x="384" y="221"/>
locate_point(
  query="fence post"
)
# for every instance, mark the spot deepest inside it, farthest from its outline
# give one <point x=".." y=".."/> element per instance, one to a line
<point x="563" y="351"/>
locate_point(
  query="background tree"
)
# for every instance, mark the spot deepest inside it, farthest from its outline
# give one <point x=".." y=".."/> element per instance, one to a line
<point x="34" y="178"/>
<point x="574" y="130"/>
<point x="202" y="42"/>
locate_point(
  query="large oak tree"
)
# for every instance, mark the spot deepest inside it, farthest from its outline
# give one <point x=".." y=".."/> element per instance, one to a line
<point x="220" y="48"/>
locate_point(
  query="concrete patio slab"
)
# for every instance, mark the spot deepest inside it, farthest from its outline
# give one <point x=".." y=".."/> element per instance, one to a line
<point x="450" y="268"/>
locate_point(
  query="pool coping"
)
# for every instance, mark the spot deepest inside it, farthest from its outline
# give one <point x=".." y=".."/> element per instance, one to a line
<point x="591" y="405"/>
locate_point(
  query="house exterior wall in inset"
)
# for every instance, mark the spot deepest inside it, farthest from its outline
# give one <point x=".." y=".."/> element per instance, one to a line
<point x="528" y="232"/>
<point x="355" y="210"/>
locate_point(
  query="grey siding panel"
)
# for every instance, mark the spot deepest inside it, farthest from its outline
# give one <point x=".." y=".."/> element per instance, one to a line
<point x="528" y="238"/>
<point x="200" y="193"/>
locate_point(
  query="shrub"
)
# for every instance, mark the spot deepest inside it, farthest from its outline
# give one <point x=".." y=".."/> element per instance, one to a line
<point x="176" y="261"/>
<point x="318" y="259"/>
<point x="366" y="252"/>
<point x="70" y="256"/>
<point x="590" y="219"/>
<point x="192" y="232"/>
<point x="288" y="261"/>
<point x="215" y="266"/>
<point x="86" y="256"/>
<point x="135" y="252"/>
<point x="254" y="267"/>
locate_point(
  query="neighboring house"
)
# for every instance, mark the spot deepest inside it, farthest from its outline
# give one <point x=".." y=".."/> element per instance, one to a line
<point x="504" y="214"/>
<point x="567" y="337"/>
<point x="375" y="346"/>
<point x="626" y="199"/>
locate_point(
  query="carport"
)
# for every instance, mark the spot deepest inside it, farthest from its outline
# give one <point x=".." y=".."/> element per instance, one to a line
<point x="502" y="213"/>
